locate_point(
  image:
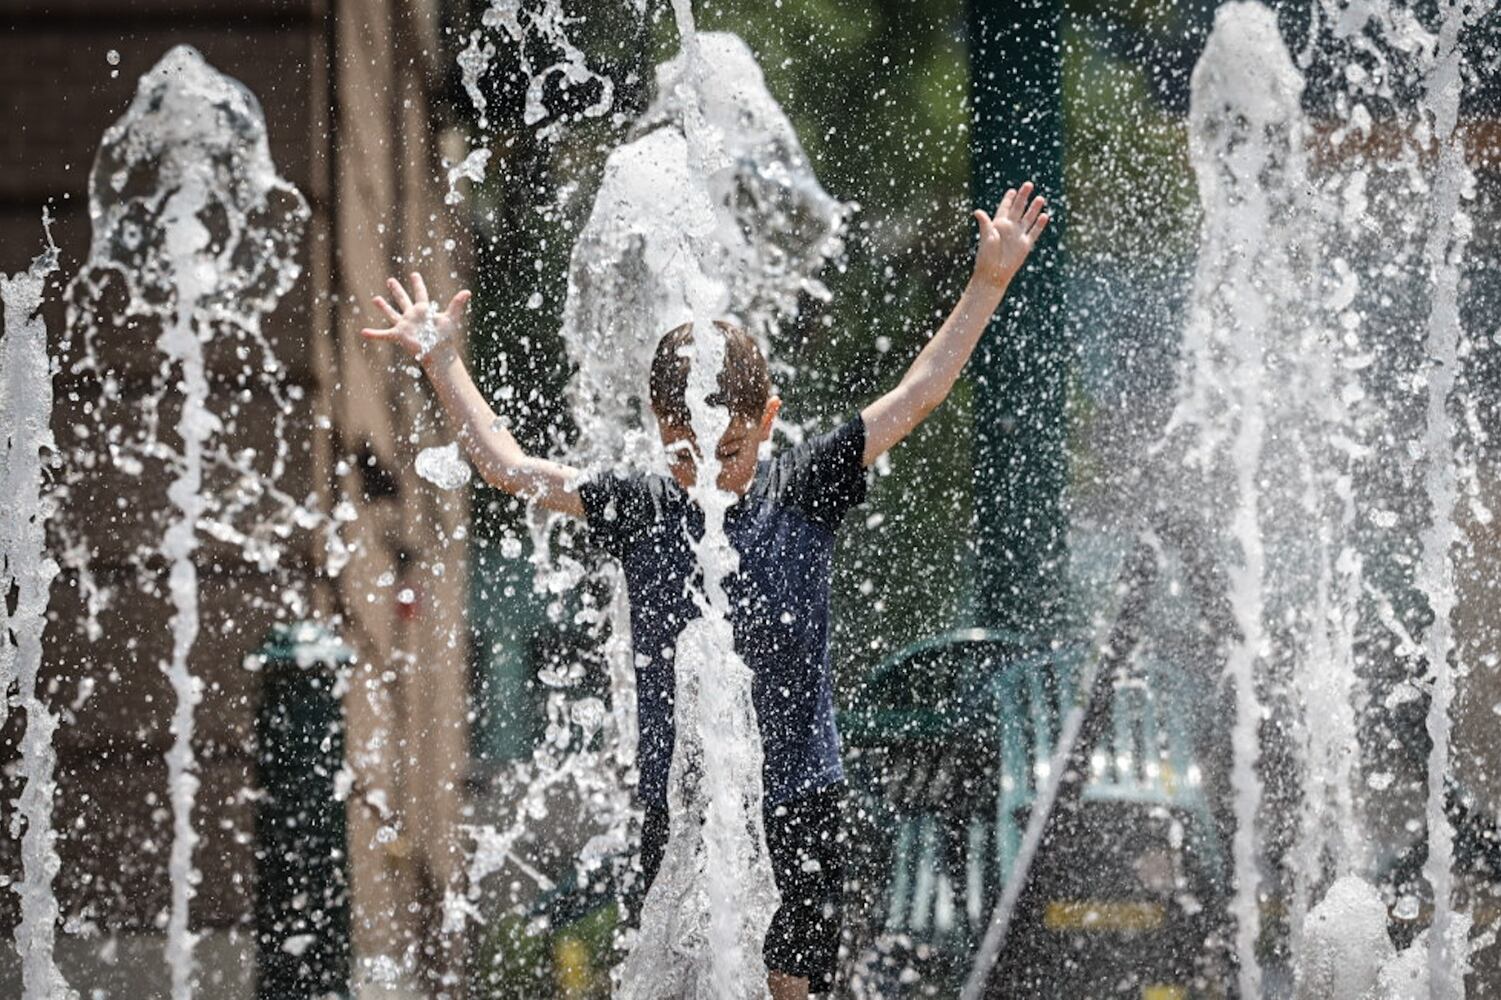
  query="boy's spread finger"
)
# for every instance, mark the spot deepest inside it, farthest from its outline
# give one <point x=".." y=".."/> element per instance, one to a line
<point x="1019" y="203"/>
<point x="399" y="294"/>
<point x="419" y="289"/>
<point x="385" y="307"/>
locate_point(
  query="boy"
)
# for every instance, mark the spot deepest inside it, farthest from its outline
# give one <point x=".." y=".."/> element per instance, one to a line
<point x="782" y="527"/>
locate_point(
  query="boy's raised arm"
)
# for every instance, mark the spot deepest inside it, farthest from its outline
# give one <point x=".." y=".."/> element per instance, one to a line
<point x="428" y="336"/>
<point x="1005" y="242"/>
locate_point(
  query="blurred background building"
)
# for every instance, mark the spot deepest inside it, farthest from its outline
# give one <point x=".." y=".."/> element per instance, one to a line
<point x="354" y="98"/>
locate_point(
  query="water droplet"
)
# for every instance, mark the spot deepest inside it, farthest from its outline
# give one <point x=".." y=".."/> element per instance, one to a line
<point x="444" y="467"/>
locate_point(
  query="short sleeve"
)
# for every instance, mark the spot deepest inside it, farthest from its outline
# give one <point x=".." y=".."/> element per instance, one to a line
<point x="825" y="476"/>
<point x="618" y="509"/>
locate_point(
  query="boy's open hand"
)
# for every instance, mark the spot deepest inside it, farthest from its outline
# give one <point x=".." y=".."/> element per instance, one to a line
<point x="415" y="323"/>
<point x="1006" y="239"/>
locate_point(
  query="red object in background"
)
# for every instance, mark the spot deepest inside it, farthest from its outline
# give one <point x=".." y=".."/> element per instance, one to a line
<point x="409" y="603"/>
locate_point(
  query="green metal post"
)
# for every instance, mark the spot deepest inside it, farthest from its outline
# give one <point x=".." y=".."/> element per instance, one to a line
<point x="1020" y="371"/>
<point x="302" y="859"/>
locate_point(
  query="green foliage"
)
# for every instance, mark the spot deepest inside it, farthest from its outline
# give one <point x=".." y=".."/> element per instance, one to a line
<point x="511" y="963"/>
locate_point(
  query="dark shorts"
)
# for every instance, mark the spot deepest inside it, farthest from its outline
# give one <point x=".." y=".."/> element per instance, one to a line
<point x="805" y="840"/>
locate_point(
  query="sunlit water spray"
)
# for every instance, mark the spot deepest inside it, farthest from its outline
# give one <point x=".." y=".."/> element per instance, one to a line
<point x="196" y="233"/>
<point x="524" y="28"/>
<point x="705" y="918"/>
<point x="194" y="240"/>
<point x="1285" y="380"/>
<point x="1271" y="415"/>
<point x="1245" y="139"/>
<point x="745" y="231"/>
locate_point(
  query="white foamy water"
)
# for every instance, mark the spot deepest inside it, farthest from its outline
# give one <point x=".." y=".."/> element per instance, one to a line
<point x="768" y="228"/>
<point x="1448" y="235"/>
<point x="444" y="467"/>
<point x="1345" y="944"/>
<point x="711" y="212"/>
<point x="704" y="921"/>
<point x="27" y="571"/>
<point x="1286" y="402"/>
<point x="1346" y="952"/>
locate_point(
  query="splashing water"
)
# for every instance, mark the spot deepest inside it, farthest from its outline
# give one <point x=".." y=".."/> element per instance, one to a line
<point x="1245" y="140"/>
<point x="1283" y="411"/>
<point x="444" y="467"/>
<point x="709" y="211"/>
<point x="1443" y="250"/>
<point x="771" y="229"/>
<point x="704" y="920"/>
<point x="525" y="28"/>
<point x="193" y="226"/>
<point x="28" y="571"/>
<point x="1346" y="944"/>
<point x="194" y="231"/>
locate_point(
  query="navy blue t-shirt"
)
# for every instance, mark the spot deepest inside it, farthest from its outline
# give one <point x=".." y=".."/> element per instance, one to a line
<point x="783" y="529"/>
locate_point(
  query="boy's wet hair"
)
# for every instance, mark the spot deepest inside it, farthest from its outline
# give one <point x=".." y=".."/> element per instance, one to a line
<point x="744" y="382"/>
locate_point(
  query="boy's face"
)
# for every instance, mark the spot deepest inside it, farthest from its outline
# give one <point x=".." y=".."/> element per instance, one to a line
<point x="737" y="452"/>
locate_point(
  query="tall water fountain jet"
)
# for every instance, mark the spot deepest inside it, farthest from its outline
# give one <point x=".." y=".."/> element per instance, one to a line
<point x="196" y="233"/>
<point x="774" y="229"/>
<point x="711" y="212"/>
<point x="705" y="917"/>
<point x="1448" y="235"/>
<point x="27" y="572"/>
<point x="1245" y="139"/>
<point x="1283" y="356"/>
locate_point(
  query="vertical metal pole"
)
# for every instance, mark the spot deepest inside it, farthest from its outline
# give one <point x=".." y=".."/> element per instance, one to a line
<point x="302" y="858"/>
<point x="1020" y="371"/>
